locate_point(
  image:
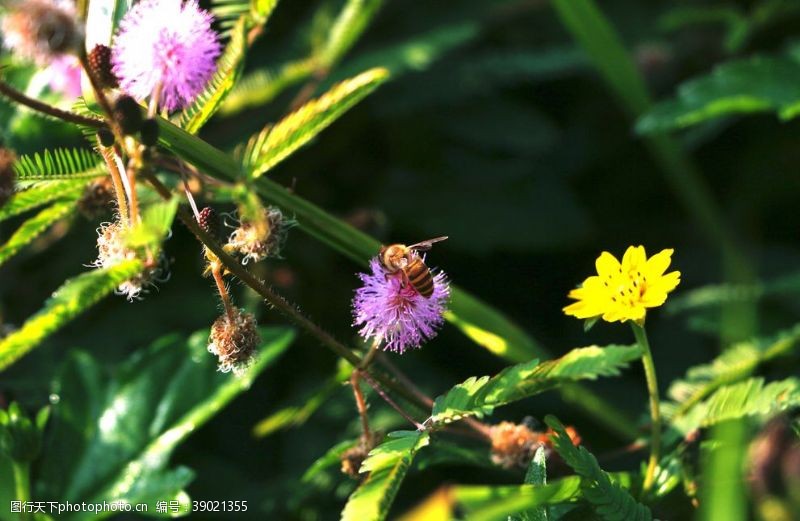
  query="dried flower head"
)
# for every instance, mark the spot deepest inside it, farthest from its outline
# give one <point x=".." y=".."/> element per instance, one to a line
<point x="390" y="310"/>
<point x="234" y="341"/>
<point x="352" y="458"/>
<point x="624" y="290"/>
<point x="7" y="176"/>
<point x="167" y="45"/>
<point x="112" y="249"/>
<point x="260" y="239"/>
<point x="99" y="60"/>
<point x="513" y="445"/>
<point x="39" y="30"/>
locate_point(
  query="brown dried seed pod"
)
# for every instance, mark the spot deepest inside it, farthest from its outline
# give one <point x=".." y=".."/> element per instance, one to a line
<point x="100" y="65"/>
<point x="514" y="445"/>
<point x="234" y="340"/>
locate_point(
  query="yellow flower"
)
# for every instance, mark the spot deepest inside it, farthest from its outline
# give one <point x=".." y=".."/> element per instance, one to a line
<point x="623" y="291"/>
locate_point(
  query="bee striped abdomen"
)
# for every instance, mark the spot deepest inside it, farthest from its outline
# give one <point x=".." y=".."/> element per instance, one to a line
<point x="419" y="276"/>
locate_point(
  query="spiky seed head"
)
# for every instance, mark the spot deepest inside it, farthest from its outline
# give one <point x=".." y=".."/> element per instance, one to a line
<point x="41" y="30"/>
<point x="112" y="249"/>
<point x="100" y="66"/>
<point x="7" y="176"/>
<point x="234" y="340"/>
<point x="262" y="238"/>
<point x="148" y="134"/>
<point x="128" y="114"/>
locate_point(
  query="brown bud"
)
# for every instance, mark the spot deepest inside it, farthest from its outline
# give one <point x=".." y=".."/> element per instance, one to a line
<point x="100" y="66"/>
<point x="128" y="114"/>
<point x="514" y="445"/>
<point x="352" y="458"/>
<point x="209" y="222"/>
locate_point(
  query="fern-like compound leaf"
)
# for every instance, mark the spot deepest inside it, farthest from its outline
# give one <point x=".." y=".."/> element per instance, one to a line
<point x="61" y="163"/>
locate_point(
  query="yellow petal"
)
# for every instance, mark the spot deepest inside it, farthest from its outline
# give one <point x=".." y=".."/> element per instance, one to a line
<point x="606" y="265"/>
<point x="658" y="263"/>
<point x="634" y="259"/>
<point x="666" y="283"/>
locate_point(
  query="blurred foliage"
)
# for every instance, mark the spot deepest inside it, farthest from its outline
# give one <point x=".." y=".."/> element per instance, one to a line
<point x="534" y="135"/>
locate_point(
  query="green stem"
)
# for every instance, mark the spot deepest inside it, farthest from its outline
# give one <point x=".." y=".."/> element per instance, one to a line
<point x="22" y="481"/>
<point x="655" y="411"/>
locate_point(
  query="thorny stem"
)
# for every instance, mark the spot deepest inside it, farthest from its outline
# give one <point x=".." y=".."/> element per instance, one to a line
<point x="391" y="402"/>
<point x="223" y="292"/>
<point x="655" y="412"/>
<point x="478" y="426"/>
<point x="15" y="95"/>
<point x="361" y="405"/>
<point x="108" y="154"/>
<point x="273" y="298"/>
<point x="373" y="350"/>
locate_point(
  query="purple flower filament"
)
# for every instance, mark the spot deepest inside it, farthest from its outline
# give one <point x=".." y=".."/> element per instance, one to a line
<point x="388" y="309"/>
<point x="166" y="46"/>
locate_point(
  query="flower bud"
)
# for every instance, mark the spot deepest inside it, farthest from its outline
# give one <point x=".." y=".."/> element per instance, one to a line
<point x="100" y="66"/>
<point x="148" y="134"/>
<point x="21" y="438"/>
<point x="128" y="114"/>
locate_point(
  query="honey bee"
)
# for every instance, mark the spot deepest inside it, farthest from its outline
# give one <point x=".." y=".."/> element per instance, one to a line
<point x="406" y="260"/>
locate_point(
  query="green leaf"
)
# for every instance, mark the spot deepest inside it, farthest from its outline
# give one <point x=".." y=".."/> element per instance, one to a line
<point x="329" y="459"/>
<point x="112" y="438"/>
<point x="229" y="69"/>
<point x="34" y="227"/>
<point x="61" y="163"/>
<point x="735" y="363"/>
<point x="479" y="396"/>
<point x="297" y="415"/>
<point x="156" y="222"/>
<point x="496" y="503"/>
<point x="71" y="299"/>
<point x="274" y="144"/>
<point x="360" y="247"/>
<point x="751" y="397"/>
<point x="759" y="84"/>
<point x="609" y="500"/>
<point x="348" y="27"/>
<point x="387" y="465"/>
<point x="536" y="475"/>
<point x="40" y="194"/>
<point x="263" y="85"/>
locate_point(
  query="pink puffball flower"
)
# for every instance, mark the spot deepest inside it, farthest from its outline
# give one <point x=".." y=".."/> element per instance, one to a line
<point x="64" y="77"/>
<point x="167" y="45"/>
<point x="390" y="310"/>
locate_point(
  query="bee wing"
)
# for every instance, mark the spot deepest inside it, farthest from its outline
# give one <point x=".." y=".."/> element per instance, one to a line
<point x="426" y="245"/>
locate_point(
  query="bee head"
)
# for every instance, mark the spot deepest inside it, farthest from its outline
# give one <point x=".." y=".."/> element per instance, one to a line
<point x="394" y="258"/>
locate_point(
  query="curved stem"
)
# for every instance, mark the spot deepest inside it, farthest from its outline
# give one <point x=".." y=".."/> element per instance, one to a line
<point x="361" y="405"/>
<point x="14" y="95"/>
<point x="655" y="411"/>
<point x="22" y="482"/>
